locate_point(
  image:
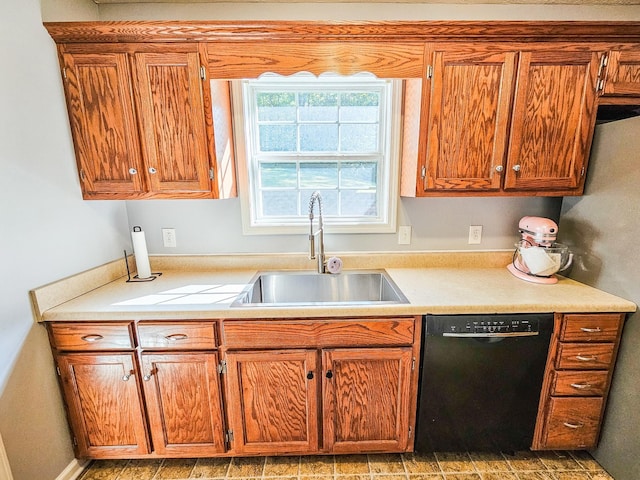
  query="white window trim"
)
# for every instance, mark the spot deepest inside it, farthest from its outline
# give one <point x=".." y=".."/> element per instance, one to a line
<point x="388" y="225"/>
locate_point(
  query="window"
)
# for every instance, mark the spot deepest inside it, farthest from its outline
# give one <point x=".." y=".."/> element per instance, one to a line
<point x="299" y="134"/>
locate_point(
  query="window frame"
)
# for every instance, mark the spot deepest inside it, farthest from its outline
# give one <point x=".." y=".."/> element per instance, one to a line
<point x="388" y="172"/>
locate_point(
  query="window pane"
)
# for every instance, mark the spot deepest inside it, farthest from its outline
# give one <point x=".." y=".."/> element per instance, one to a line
<point x="358" y="175"/>
<point x="318" y="107"/>
<point x="354" y="202"/>
<point x="318" y="175"/>
<point x="278" y="175"/>
<point x="279" y="203"/>
<point x="359" y="106"/>
<point x="276" y="106"/>
<point x="361" y="137"/>
<point x="278" y="138"/>
<point x="318" y="138"/>
<point x="329" y="202"/>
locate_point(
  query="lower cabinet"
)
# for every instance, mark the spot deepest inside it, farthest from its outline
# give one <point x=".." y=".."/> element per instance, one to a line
<point x="104" y="404"/>
<point x="182" y="392"/>
<point x="352" y="400"/>
<point x="156" y="388"/>
<point x="577" y="378"/>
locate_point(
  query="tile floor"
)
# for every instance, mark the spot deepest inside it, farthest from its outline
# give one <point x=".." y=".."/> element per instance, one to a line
<point x="438" y="466"/>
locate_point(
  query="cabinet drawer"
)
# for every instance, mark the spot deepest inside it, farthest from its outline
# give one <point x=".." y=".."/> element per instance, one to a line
<point x="590" y="328"/>
<point x="178" y="336"/>
<point x="573" y="423"/>
<point x="318" y="333"/>
<point x="92" y="336"/>
<point x="581" y="384"/>
<point x="582" y="356"/>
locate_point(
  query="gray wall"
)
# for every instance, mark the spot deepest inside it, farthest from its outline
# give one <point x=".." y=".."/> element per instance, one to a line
<point x="602" y="228"/>
<point x="48" y="232"/>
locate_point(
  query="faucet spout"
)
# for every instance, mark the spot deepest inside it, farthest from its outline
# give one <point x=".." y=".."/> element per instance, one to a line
<point x="315" y="197"/>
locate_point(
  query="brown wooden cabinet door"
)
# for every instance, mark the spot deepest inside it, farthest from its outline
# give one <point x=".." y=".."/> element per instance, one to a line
<point x="366" y="399"/>
<point x="103" y="124"/>
<point x="272" y="401"/>
<point x="104" y="404"/>
<point x="468" y="118"/>
<point x="184" y="403"/>
<point x="172" y="123"/>
<point x="623" y="73"/>
<point x="553" y="120"/>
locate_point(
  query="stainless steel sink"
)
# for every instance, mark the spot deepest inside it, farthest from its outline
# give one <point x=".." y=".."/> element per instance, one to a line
<point x="305" y="288"/>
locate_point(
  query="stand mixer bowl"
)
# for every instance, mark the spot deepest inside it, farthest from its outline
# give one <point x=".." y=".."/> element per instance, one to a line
<point x="538" y="264"/>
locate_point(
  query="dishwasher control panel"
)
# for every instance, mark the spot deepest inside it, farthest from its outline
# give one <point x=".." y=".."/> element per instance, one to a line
<point x="459" y="325"/>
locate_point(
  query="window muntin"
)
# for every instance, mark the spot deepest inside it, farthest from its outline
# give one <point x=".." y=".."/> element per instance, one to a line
<point x="334" y="134"/>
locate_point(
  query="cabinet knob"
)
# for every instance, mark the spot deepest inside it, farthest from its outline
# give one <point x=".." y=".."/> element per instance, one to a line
<point x="310" y="375"/>
<point x="133" y="171"/>
<point x="516" y="168"/>
<point x="499" y="168"/>
<point x="147" y="377"/>
<point x="126" y="377"/>
<point x="152" y="170"/>
<point x="329" y="374"/>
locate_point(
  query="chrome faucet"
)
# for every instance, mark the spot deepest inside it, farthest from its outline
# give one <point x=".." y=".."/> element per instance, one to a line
<point x="312" y="236"/>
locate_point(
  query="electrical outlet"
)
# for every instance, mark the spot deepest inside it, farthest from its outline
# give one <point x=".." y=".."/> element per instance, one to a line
<point x="475" y="234"/>
<point x="169" y="237"/>
<point x="404" y="235"/>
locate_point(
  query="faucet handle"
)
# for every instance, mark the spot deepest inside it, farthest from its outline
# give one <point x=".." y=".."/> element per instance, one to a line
<point x="334" y="265"/>
<point x="312" y="246"/>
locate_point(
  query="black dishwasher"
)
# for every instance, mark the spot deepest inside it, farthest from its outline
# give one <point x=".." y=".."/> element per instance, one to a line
<point x="480" y="381"/>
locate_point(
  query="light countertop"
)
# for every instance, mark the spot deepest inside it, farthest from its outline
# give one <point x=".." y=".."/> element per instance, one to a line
<point x="472" y="283"/>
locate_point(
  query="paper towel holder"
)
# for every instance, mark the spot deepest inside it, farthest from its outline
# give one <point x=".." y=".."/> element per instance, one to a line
<point x="135" y="278"/>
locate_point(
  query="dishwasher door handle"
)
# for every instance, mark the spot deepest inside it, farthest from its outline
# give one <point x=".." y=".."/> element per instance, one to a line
<point x="491" y="335"/>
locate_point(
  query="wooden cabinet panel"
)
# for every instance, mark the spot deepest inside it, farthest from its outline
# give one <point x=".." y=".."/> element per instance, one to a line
<point x="623" y="72"/>
<point x="553" y="120"/>
<point x="583" y="356"/>
<point x="583" y="383"/>
<point x="573" y="423"/>
<point x="591" y="328"/>
<point x="184" y="403"/>
<point x="468" y="117"/>
<point x="103" y="124"/>
<point x="172" y="122"/>
<point x="366" y="399"/>
<point x="104" y="404"/>
<point x="177" y="336"/>
<point x="92" y="336"/>
<point x="272" y="403"/>
<point x="318" y="333"/>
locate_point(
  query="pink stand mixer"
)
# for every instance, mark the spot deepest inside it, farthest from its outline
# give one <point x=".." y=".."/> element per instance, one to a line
<point x="537" y="256"/>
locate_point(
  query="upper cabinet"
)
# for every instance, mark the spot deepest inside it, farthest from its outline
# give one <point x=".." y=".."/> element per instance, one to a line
<point x="623" y="72"/>
<point x="490" y="108"/>
<point x="553" y="119"/>
<point x="468" y="106"/>
<point x="502" y="121"/>
<point x="139" y="121"/>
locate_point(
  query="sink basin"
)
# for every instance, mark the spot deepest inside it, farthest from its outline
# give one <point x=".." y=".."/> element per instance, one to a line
<point x="307" y="288"/>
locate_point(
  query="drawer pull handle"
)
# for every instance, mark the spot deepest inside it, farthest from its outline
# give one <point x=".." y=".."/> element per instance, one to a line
<point x="591" y="330"/>
<point x="582" y="358"/>
<point x="92" y="338"/>
<point x="581" y="386"/>
<point x="176" y="336"/>
<point x="573" y="425"/>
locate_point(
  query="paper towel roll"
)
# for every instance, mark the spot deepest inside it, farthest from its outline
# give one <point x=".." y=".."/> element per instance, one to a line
<point x="140" y="251"/>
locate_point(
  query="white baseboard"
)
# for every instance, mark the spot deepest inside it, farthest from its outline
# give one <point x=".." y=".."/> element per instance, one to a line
<point x="73" y="470"/>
